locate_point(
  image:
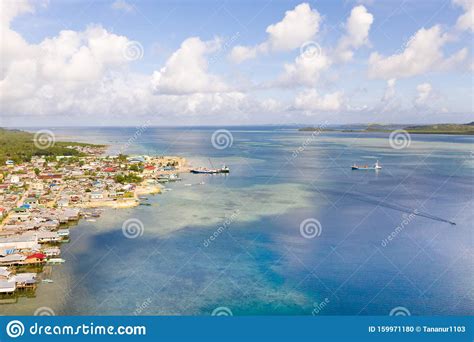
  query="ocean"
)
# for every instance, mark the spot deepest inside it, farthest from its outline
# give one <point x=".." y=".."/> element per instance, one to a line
<point x="292" y="230"/>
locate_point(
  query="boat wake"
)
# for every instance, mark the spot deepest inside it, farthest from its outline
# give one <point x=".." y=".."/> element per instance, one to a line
<point x="395" y="206"/>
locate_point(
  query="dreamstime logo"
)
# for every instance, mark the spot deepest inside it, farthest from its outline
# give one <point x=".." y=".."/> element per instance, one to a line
<point x="221" y="139"/>
<point x="400" y="311"/>
<point x="310" y="139"/>
<point x="44" y="311"/>
<point x="310" y="49"/>
<point x="135" y="136"/>
<point x="132" y="228"/>
<point x="399" y="139"/>
<point x="44" y="139"/>
<point x="406" y="219"/>
<point x="222" y="311"/>
<point x="310" y="228"/>
<point x="227" y="222"/>
<point x="15" y="329"/>
<point x="133" y="51"/>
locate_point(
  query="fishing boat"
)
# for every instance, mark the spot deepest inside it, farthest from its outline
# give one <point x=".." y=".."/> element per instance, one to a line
<point x="376" y="166"/>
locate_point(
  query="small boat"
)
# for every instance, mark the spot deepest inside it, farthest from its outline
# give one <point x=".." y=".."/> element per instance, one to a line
<point x="376" y="166"/>
<point x="91" y="220"/>
<point x="56" y="261"/>
<point x="147" y="204"/>
<point x="47" y="281"/>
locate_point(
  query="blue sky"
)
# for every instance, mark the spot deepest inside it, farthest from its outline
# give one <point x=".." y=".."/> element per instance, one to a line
<point x="128" y="62"/>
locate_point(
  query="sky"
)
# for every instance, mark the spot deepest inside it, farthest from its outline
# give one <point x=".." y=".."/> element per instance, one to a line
<point x="135" y="63"/>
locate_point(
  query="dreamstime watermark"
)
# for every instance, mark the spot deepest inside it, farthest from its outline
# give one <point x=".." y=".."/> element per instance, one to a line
<point x="400" y="311"/>
<point x="310" y="228"/>
<point x="225" y="225"/>
<point x="15" y="329"/>
<point x="222" y="311"/>
<point x="133" y="51"/>
<point x="399" y="139"/>
<point x="310" y="49"/>
<point x="222" y="139"/>
<point x="133" y="228"/>
<point x="309" y="140"/>
<point x="318" y="307"/>
<point x="407" y="218"/>
<point x="44" y="311"/>
<point x="224" y="48"/>
<point x="135" y="136"/>
<point x="142" y="307"/>
<point x="44" y="139"/>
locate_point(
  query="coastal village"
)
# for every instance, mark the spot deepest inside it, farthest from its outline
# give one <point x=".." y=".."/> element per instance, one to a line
<point x="39" y="199"/>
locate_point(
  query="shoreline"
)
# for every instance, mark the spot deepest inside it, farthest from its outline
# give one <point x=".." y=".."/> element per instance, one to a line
<point x="42" y="196"/>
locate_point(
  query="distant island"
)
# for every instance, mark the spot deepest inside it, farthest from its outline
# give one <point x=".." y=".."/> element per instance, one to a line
<point x="462" y="129"/>
<point x="19" y="146"/>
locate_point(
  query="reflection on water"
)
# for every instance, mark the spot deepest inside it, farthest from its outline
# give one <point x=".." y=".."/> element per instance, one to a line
<point x="258" y="262"/>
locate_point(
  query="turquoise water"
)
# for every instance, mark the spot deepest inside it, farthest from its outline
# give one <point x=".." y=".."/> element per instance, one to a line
<point x="259" y="262"/>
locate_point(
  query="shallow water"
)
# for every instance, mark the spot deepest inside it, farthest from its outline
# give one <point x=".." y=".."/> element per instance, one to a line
<point x="259" y="262"/>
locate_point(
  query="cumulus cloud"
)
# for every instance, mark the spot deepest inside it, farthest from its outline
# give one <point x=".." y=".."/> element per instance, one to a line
<point x="357" y="33"/>
<point x="299" y="25"/>
<point x="310" y="101"/>
<point x="389" y="90"/>
<point x="186" y="71"/>
<point x="86" y="73"/>
<point x="424" y="94"/>
<point x="423" y="53"/>
<point x="304" y="71"/>
<point x="466" y="21"/>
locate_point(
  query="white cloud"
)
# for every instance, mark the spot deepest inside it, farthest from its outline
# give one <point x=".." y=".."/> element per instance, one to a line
<point x="424" y="94"/>
<point x="305" y="71"/>
<point x="389" y="90"/>
<point x="357" y="33"/>
<point x="122" y="5"/>
<point x="310" y="101"/>
<point x="186" y="71"/>
<point x="466" y="20"/>
<point x="422" y="54"/>
<point x="299" y="25"/>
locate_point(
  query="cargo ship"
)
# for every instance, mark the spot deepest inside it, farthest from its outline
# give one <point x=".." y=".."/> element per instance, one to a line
<point x="223" y="169"/>
<point x="376" y="166"/>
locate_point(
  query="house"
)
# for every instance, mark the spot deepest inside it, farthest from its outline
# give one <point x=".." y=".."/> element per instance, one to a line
<point x="3" y="212"/>
<point x="31" y="201"/>
<point x="36" y="258"/>
<point x="4" y="273"/>
<point x="63" y="202"/>
<point x="24" y="241"/>
<point x="52" y="251"/>
<point x="12" y="259"/>
<point x="23" y="280"/>
<point x="20" y="214"/>
<point x="97" y="195"/>
<point x="15" y="179"/>
<point x="45" y="237"/>
<point x="7" y="286"/>
<point x="10" y="163"/>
